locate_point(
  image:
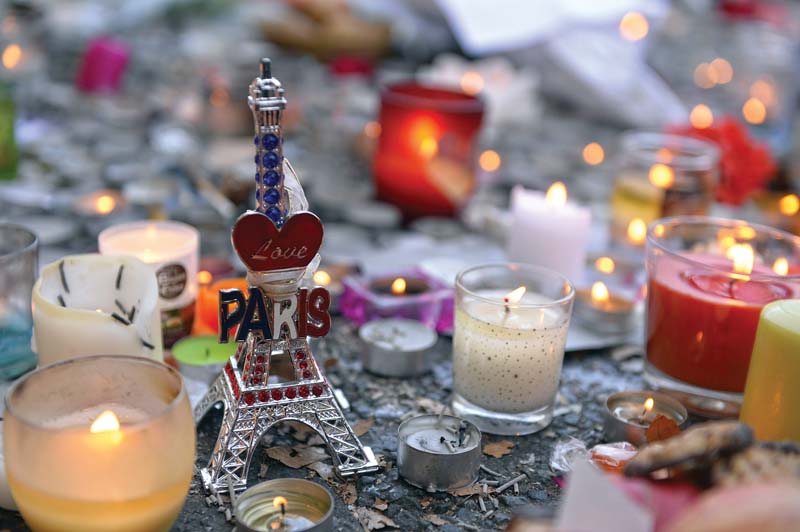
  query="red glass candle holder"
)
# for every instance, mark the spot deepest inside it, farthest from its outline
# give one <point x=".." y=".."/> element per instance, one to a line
<point x="424" y="161"/>
<point x="709" y="278"/>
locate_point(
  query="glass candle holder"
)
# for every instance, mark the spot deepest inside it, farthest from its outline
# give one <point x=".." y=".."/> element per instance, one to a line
<point x="99" y="443"/>
<point x="660" y="175"/>
<point x="19" y="253"/>
<point x="709" y="279"/>
<point x="424" y="161"/>
<point x="508" y="345"/>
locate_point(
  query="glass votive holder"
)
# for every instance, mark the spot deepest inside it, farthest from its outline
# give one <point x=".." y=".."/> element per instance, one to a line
<point x="424" y="161"/>
<point x="171" y="249"/>
<point x="99" y="443"/>
<point x="709" y="279"/>
<point x="19" y="254"/>
<point x="511" y="324"/>
<point x="660" y="175"/>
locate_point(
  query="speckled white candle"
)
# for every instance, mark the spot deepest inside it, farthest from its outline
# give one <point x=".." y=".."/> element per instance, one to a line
<point x="508" y="361"/>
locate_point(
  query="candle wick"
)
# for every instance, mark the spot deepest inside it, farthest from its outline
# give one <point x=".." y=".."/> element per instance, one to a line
<point x="283" y="510"/>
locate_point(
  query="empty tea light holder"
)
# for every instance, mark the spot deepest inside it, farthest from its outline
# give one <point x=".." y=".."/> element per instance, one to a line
<point x="286" y="504"/>
<point x="438" y="453"/>
<point x="397" y="347"/>
<point x="627" y="418"/>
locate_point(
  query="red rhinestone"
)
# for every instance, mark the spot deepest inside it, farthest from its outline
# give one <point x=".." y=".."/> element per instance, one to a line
<point x="260" y="359"/>
<point x="300" y="355"/>
<point x="249" y="398"/>
<point x="263" y="396"/>
<point x="291" y="393"/>
<point x="303" y="391"/>
<point x="277" y="395"/>
<point x="317" y="390"/>
<point x="306" y="374"/>
<point x="259" y="370"/>
<point x="303" y="365"/>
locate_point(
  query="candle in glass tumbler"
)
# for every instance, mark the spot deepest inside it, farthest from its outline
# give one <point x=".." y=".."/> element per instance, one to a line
<point x="549" y="231"/>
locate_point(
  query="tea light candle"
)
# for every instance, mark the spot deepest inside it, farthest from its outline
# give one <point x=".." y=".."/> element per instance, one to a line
<point x="99" y="203"/>
<point x="171" y="248"/>
<point x="628" y="415"/>
<point x="438" y="453"/>
<point x="397" y="347"/>
<point x="399" y="286"/>
<point x="602" y="311"/>
<point x="285" y="505"/>
<point x="95" y="305"/>
<point x="548" y="231"/>
<point x="202" y="357"/>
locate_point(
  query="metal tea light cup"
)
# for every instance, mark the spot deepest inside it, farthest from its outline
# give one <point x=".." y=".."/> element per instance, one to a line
<point x="306" y="501"/>
<point x="624" y="419"/>
<point x="396" y="347"/>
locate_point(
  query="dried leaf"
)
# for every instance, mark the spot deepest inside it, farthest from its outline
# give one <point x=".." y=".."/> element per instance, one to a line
<point x="347" y="491"/>
<point x="323" y="469"/>
<point x="469" y="491"/>
<point x="662" y="428"/>
<point x="262" y="472"/>
<point x="498" y="449"/>
<point x="434" y="519"/>
<point x="430" y="406"/>
<point x="425" y="502"/>
<point x="298" y="456"/>
<point x="372" y="520"/>
<point x="362" y="426"/>
<point x="380" y="504"/>
<point x="330" y="362"/>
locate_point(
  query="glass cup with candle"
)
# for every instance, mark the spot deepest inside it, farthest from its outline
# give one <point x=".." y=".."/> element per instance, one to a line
<point x="99" y="443"/>
<point x="660" y="175"/>
<point x="709" y="279"/>
<point x="510" y="331"/>
<point x="19" y="253"/>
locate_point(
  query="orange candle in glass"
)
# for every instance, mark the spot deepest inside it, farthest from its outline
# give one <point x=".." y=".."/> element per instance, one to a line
<point x="207" y="321"/>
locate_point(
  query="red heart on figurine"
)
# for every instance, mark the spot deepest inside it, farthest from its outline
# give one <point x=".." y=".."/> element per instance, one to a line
<point x="263" y="247"/>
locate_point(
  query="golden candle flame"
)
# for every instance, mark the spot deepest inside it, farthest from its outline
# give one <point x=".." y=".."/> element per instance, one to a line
<point x="429" y="147"/>
<point x="722" y="69"/>
<point x="605" y="265"/>
<point x="107" y="421"/>
<point x="204" y="277"/>
<point x="634" y="26"/>
<point x="399" y="286"/>
<point x="649" y="403"/>
<point x="12" y="56"/>
<point x="789" y="205"/>
<point x="323" y="278"/>
<point x="664" y="155"/>
<point x="742" y="256"/>
<point x="372" y="130"/>
<point x="489" y="161"/>
<point x="701" y="116"/>
<point x="279" y="503"/>
<point x="471" y="82"/>
<point x="764" y="91"/>
<point x="637" y="231"/>
<point x="556" y="194"/>
<point x="219" y="97"/>
<point x="781" y="266"/>
<point x="599" y="292"/>
<point x="104" y="204"/>
<point x="661" y="175"/>
<point x="705" y="76"/>
<point x="514" y="296"/>
<point x="754" y="111"/>
<point x="593" y="154"/>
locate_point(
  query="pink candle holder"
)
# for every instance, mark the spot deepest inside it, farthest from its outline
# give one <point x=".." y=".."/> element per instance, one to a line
<point x="103" y="66"/>
<point x="406" y="294"/>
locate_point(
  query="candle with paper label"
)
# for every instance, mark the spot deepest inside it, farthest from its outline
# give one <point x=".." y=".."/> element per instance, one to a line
<point x="549" y="231"/>
<point x="772" y="392"/>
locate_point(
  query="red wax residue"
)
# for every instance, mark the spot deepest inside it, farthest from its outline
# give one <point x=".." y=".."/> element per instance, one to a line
<point x="701" y="325"/>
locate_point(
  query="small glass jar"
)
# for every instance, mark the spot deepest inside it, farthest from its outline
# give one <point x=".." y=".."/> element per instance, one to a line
<point x="99" y="443"/>
<point x="661" y="175"/>
<point x="709" y="278"/>
<point x="508" y="345"/>
<point x="19" y="254"/>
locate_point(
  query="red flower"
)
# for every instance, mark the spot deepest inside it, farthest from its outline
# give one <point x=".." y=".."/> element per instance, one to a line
<point x="745" y="165"/>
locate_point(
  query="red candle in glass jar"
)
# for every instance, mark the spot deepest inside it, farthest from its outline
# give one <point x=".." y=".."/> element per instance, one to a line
<point x="424" y="161"/>
<point x="703" y="311"/>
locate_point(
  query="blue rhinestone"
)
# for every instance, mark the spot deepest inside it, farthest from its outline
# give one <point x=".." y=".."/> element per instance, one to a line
<point x="258" y="194"/>
<point x="272" y="196"/>
<point x="274" y="214"/>
<point x="271" y="178"/>
<point x="256" y="158"/>
<point x="258" y="178"/>
<point x="270" y="141"/>
<point x="255" y="140"/>
<point x="271" y="159"/>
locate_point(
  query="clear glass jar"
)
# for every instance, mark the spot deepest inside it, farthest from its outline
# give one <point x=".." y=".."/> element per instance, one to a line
<point x="19" y="256"/>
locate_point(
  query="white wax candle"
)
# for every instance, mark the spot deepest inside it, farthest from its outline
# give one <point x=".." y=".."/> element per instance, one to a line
<point x="74" y="303"/>
<point x="552" y="234"/>
<point x="508" y="361"/>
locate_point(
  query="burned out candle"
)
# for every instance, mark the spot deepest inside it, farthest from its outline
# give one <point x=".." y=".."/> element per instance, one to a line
<point x="396" y="347"/>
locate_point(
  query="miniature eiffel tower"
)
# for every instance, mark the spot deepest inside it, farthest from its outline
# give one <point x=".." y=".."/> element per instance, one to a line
<point x="274" y="323"/>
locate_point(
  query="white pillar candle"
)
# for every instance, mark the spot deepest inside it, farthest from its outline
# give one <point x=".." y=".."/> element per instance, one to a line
<point x="93" y="305"/>
<point x="171" y="249"/>
<point x="548" y="231"/>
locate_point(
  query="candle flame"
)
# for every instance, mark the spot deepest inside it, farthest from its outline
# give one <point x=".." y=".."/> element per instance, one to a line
<point x="556" y="194"/>
<point x="781" y="266"/>
<point x="323" y="278"/>
<point x="789" y="205"/>
<point x="104" y="204"/>
<point x="742" y="256"/>
<point x="754" y="111"/>
<point x="637" y="231"/>
<point x="634" y="26"/>
<point x="705" y="76"/>
<point x="372" y="130"/>
<point x="471" y="82"/>
<point x="399" y="286"/>
<point x="599" y="292"/>
<point x="649" y="403"/>
<point x="219" y="97"/>
<point x="429" y="147"/>
<point x="279" y="503"/>
<point x="515" y="295"/>
<point x="701" y="116"/>
<point x="204" y="277"/>
<point x="664" y="155"/>
<point x="107" y="421"/>
<point x="12" y="56"/>
<point x="722" y="69"/>
<point x="489" y="161"/>
<point x="661" y="175"/>
<point x="593" y="154"/>
<point x="605" y="265"/>
<point x="764" y="91"/>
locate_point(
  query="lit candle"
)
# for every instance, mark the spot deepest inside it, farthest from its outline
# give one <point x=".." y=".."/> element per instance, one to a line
<point x="772" y="392"/>
<point x="508" y="345"/>
<point x="549" y="231"/>
<point x="95" y="305"/>
<point x="171" y="248"/>
<point x="285" y="505"/>
<point x="202" y="357"/>
<point x="207" y="320"/>
<point x="99" y="203"/>
<point x="100" y="443"/>
<point x="602" y="311"/>
<point x="629" y="414"/>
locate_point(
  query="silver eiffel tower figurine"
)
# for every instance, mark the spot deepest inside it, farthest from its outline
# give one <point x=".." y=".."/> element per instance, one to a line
<point x="273" y="376"/>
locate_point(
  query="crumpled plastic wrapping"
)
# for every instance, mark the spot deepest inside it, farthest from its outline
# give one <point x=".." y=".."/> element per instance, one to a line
<point x="296" y="201"/>
<point x="610" y="457"/>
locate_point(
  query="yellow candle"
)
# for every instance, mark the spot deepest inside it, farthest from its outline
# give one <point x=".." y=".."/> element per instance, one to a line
<point x="772" y="392"/>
